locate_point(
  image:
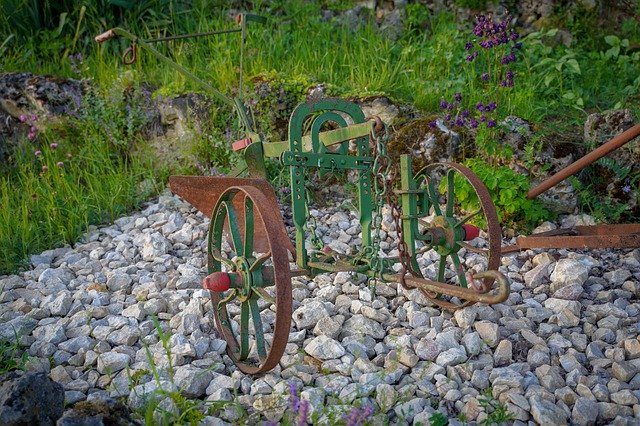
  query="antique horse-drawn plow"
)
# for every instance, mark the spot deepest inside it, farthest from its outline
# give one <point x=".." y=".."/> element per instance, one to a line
<point x="249" y="265"/>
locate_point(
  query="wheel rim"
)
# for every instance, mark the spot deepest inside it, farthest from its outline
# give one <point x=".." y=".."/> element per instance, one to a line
<point x="448" y="228"/>
<point x="259" y="298"/>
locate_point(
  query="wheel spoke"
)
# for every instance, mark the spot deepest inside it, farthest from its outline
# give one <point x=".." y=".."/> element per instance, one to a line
<point x="257" y="325"/>
<point x="450" y="192"/>
<point x="259" y="261"/>
<point x="468" y="217"/>
<point x="434" y="196"/>
<point x="248" y="227"/>
<point x="218" y="257"/>
<point x="457" y="266"/>
<point x="473" y="249"/>
<point x="264" y="295"/>
<point x="441" y="267"/>
<point x="234" y="229"/>
<point x="244" y="330"/>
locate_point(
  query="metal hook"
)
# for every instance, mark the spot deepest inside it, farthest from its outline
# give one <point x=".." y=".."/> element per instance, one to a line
<point x="130" y="54"/>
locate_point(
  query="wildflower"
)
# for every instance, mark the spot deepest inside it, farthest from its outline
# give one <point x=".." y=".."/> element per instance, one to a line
<point x="483" y="118"/>
<point x="491" y="123"/>
<point x="509" y="75"/>
<point x="284" y="190"/>
<point x="34" y="117"/>
<point x="294" y="401"/>
<point x="491" y="107"/>
<point x="53" y="145"/>
<point x="514" y="36"/>
<point x="480" y="107"/>
<point x="458" y="97"/>
<point x="473" y="123"/>
<point x="465" y="113"/>
<point x="485" y="76"/>
<point x="433" y="124"/>
<point x="447" y="117"/>
<point x="304" y="413"/>
<point x="459" y="121"/>
<point x="60" y="164"/>
<point x="470" y="58"/>
<point x="626" y="189"/>
<point x="517" y="46"/>
<point x="23" y="118"/>
<point x="31" y="136"/>
<point x="38" y="153"/>
<point x="443" y="104"/>
<point x="45" y="168"/>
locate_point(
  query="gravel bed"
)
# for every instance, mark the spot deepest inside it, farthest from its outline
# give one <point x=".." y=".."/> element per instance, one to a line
<point x="563" y="348"/>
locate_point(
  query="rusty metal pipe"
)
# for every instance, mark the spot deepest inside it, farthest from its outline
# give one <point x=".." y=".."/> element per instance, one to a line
<point x="588" y="159"/>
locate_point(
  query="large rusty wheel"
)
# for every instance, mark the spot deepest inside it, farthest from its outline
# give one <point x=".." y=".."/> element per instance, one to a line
<point x="251" y="292"/>
<point x="449" y="229"/>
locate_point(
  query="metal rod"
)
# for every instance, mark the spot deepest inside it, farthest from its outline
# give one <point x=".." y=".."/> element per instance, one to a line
<point x="183" y="36"/>
<point x="588" y="159"/>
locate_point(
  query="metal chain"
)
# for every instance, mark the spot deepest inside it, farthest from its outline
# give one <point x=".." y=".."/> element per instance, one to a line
<point x="380" y="174"/>
<point x="383" y="176"/>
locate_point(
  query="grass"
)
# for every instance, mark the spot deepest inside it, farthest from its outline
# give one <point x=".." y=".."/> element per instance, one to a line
<point x="557" y="87"/>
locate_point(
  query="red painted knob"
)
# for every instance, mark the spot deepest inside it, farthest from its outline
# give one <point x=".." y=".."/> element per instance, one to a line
<point x="470" y="232"/>
<point x="217" y="281"/>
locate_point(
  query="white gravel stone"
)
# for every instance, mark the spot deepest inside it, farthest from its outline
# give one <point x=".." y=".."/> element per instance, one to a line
<point x="112" y="362"/>
<point x="323" y="347"/>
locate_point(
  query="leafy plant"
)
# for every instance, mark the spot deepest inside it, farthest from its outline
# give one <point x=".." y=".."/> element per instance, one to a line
<point x="438" y="419"/>
<point x="497" y="413"/>
<point x="11" y="357"/>
<point x="508" y="191"/>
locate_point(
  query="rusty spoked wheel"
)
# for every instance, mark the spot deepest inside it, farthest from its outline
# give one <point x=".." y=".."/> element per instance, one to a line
<point x="251" y="292"/>
<point x="449" y="229"/>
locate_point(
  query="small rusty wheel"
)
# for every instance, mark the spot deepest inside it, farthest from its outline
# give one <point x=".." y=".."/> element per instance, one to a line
<point x="251" y="292"/>
<point x="448" y="229"/>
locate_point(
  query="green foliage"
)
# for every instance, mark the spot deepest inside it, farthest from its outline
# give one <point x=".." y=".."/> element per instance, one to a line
<point x="508" y="191"/>
<point x="438" y="419"/>
<point x="472" y="4"/>
<point x="11" y="356"/>
<point x="67" y="177"/>
<point x="497" y="413"/>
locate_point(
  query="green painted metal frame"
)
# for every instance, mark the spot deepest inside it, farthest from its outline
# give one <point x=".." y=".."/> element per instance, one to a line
<point x="299" y="160"/>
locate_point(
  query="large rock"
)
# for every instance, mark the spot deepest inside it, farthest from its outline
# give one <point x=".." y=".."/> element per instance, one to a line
<point x="30" y="399"/>
<point x="107" y="411"/>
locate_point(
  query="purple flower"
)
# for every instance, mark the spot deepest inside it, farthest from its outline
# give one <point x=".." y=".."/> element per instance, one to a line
<point x="626" y="189"/>
<point x="60" y="164"/>
<point x="38" y="153"/>
<point x="459" y="121"/>
<point x="443" y="104"/>
<point x="480" y="107"/>
<point x="33" y="129"/>
<point x="468" y="46"/>
<point x="23" y="118"/>
<point x="53" y="145"/>
<point x="492" y="106"/>
<point x="34" y="117"/>
<point x="470" y="58"/>
<point x="505" y="60"/>
<point x="447" y="117"/>
<point x="517" y="46"/>
<point x="458" y="96"/>
<point x="433" y="124"/>
<point x="45" y="168"/>
<point x="473" y="123"/>
<point x="285" y="190"/>
<point x="304" y="413"/>
<point x="465" y="113"/>
<point x="294" y="401"/>
<point x="514" y="36"/>
<point x="509" y="75"/>
<point x="31" y="136"/>
<point x="491" y="123"/>
<point x="483" y="118"/>
<point x="485" y="76"/>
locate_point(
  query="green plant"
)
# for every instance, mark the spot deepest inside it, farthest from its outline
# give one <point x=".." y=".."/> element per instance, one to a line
<point x="497" y="413"/>
<point x="11" y="356"/>
<point x="508" y="191"/>
<point x="438" y="419"/>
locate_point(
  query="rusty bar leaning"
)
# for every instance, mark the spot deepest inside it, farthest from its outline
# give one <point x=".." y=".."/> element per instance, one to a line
<point x="583" y="162"/>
